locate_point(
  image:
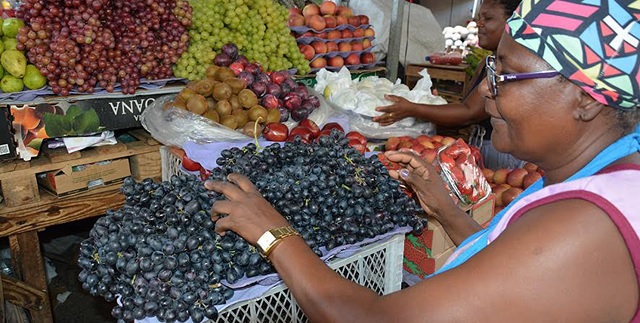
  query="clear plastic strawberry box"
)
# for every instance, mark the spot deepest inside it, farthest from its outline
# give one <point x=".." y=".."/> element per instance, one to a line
<point x="462" y="175"/>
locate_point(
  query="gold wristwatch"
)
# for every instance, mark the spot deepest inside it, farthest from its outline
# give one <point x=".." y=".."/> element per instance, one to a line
<point x="272" y="237"/>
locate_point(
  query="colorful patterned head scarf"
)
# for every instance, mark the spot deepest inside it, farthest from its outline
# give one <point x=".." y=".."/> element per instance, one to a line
<point x="593" y="43"/>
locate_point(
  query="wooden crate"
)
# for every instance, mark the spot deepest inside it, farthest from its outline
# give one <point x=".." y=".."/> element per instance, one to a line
<point x="18" y="178"/>
<point x="28" y="210"/>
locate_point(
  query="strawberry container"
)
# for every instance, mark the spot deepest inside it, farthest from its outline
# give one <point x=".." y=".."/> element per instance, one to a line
<point x="460" y="172"/>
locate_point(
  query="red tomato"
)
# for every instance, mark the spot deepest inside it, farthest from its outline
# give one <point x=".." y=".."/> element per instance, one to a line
<point x="333" y="125"/>
<point x="355" y="143"/>
<point x="275" y="131"/>
<point x="358" y="136"/>
<point x="311" y="125"/>
<point x="303" y="132"/>
<point x="189" y="164"/>
<point x="204" y="174"/>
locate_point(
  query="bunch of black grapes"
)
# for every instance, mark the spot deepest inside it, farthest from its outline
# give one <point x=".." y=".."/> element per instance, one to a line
<point x="160" y="256"/>
<point x="332" y="194"/>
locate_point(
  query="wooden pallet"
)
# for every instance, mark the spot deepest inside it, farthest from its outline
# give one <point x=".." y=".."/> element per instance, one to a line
<point x="27" y="209"/>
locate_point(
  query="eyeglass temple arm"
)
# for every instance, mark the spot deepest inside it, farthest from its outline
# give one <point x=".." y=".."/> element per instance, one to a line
<point x="525" y="76"/>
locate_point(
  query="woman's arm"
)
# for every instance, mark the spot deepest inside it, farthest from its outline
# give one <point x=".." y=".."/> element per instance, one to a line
<point x="430" y="190"/>
<point x="561" y="262"/>
<point x="470" y="111"/>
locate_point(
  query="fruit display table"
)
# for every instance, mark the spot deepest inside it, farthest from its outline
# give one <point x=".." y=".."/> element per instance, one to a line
<point x="451" y="81"/>
<point x="35" y="210"/>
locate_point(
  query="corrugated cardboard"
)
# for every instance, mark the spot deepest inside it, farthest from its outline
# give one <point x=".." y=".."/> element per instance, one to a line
<point x="7" y="146"/>
<point x="441" y="240"/>
<point x="93" y="113"/>
<point x="441" y="259"/>
<point x="74" y="179"/>
<point x="483" y="211"/>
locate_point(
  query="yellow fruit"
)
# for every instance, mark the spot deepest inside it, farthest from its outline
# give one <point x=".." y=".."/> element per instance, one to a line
<point x="327" y="92"/>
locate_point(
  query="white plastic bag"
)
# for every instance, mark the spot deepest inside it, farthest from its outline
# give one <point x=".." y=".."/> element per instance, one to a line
<point x="422" y="92"/>
<point x="358" y="100"/>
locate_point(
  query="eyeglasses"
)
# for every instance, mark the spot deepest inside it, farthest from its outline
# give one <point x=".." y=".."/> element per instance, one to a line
<point x="493" y="78"/>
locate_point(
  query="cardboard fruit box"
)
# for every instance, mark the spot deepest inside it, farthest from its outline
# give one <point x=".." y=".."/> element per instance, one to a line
<point x="80" y="178"/>
<point x="7" y="146"/>
<point x="426" y="253"/>
<point x="55" y="117"/>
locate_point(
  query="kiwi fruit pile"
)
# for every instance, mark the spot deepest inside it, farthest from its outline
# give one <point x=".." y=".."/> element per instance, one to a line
<point x="223" y="98"/>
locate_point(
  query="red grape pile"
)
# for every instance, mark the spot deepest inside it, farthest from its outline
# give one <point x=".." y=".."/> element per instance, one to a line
<point x="161" y="255"/>
<point x="81" y="44"/>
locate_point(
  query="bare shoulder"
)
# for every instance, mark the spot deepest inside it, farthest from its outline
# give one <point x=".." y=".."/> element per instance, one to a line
<point x="564" y="261"/>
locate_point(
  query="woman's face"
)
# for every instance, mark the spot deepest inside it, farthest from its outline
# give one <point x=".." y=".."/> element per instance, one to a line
<point x="491" y="21"/>
<point x="530" y="118"/>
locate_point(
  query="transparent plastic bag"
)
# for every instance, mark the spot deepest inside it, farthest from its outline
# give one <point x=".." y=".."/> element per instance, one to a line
<point x="175" y="127"/>
<point x="461" y="173"/>
<point x="404" y="127"/>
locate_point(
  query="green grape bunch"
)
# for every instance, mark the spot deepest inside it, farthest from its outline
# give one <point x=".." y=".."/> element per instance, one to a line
<point x="258" y="27"/>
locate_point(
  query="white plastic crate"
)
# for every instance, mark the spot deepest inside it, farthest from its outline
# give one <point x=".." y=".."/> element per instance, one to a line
<point x="170" y="163"/>
<point x="377" y="266"/>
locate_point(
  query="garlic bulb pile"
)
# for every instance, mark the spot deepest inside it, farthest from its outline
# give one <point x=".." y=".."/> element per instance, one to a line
<point x="460" y="37"/>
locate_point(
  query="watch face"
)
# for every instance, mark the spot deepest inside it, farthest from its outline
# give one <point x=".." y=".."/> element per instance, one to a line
<point x="265" y="241"/>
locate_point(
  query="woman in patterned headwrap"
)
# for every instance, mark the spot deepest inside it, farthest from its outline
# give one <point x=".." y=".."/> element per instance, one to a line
<point x="562" y="92"/>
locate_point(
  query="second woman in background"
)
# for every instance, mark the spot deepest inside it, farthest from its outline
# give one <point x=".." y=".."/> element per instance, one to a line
<point x="492" y="17"/>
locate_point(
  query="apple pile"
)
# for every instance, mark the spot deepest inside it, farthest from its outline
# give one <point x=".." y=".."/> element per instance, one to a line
<point x="507" y="184"/>
<point x="274" y="90"/>
<point x="331" y="36"/>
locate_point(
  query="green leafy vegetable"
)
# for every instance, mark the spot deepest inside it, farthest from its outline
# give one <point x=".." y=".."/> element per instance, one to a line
<point x="474" y="58"/>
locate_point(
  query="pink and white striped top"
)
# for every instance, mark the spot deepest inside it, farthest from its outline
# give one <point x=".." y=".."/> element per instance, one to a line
<point x="615" y="190"/>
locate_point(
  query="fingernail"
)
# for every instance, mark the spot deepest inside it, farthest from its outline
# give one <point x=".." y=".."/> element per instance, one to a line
<point x="404" y="173"/>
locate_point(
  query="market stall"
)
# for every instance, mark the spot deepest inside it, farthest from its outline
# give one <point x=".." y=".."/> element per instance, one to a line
<point x="286" y="99"/>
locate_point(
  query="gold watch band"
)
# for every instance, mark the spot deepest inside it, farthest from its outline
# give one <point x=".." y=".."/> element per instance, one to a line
<point x="279" y="234"/>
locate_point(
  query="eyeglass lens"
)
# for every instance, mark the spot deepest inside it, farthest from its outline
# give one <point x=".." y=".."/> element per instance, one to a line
<point x="491" y="76"/>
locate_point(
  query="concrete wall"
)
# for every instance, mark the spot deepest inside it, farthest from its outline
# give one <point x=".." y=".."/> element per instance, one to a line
<point x="449" y="12"/>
